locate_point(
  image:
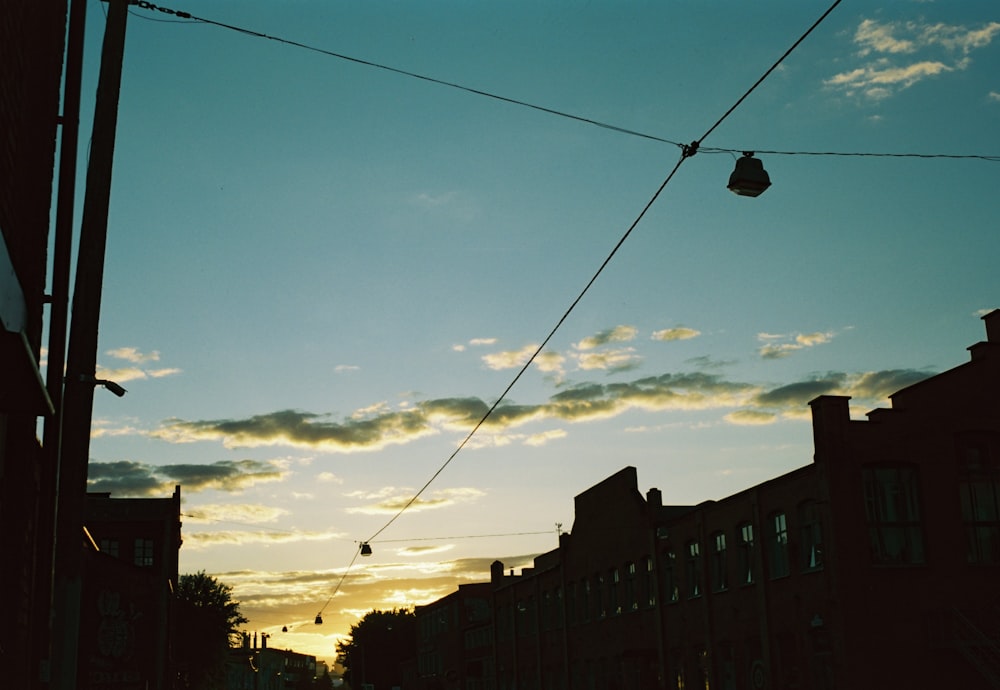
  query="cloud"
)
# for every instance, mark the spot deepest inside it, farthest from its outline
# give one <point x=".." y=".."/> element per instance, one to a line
<point x="129" y="478"/>
<point x="216" y="538"/>
<point x="618" y="334"/>
<point x="610" y="360"/>
<point x="234" y="512"/>
<point x="510" y="359"/>
<point x="773" y="348"/>
<point x="900" y="54"/>
<point x="679" y="333"/>
<point x="391" y="501"/>
<point x="378" y="426"/>
<point x="345" y="368"/>
<point x="994" y="95"/>
<point x="750" y="417"/>
<point x="137" y="371"/>
<point x="131" y="354"/>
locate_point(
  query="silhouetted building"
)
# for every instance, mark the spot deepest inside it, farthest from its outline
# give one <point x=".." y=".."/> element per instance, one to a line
<point x="266" y="668"/>
<point x="130" y="577"/>
<point x="32" y="36"/>
<point x="873" y="567"/>
<point x="455" y="640"/>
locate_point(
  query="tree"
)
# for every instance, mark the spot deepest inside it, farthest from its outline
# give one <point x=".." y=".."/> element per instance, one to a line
<point x="207" y="621"/>
<point x="379" y="646"/>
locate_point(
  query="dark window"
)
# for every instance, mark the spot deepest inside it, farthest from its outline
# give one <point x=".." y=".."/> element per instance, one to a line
<point x="110" y="547"/>
<point x="631" y="600"/>
<point x="584" y="600"/>
<point x="777" y="551"/>
<point x="812" y="536"/>
<point x="599" y="601"/>
<point x="650" y="582"/>
<point x="614" y="606"/>
<point x="892" y="507"/>
<point x="746" y="552"/>
<point x="693" y="569"/>
<point x="980" y="493"/>
<point x="143" y="556"/>
<point x="570" y="603"/>
<point x="671" y="592"/>
<point x="719" y="581"/>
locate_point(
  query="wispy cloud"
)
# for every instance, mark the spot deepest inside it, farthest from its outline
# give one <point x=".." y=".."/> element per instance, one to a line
<point x="391" y="500"/>
<point x="136" y="369"/>
<point x="897" y="55"/>
<point x="618" y="334"/>
<point x="777" y="346"/>
<point x="678" y="333"/>
<point x="609" y="360"/>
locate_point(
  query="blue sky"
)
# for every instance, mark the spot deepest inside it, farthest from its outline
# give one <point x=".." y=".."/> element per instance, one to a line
<point x="321" y="273"/>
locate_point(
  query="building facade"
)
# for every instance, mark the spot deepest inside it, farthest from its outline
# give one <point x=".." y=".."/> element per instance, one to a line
<point x="130" y="576"/>
<point x="875" y="566"/>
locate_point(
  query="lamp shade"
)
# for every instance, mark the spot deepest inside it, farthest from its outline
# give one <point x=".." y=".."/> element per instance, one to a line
<point x="319" y="619"/>
<point x="749" y="178"/>
<point x="366" y="549"/>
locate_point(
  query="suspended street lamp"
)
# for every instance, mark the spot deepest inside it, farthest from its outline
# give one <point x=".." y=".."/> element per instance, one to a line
<point x="749" y="178"/>
<point x="366" y="549"/>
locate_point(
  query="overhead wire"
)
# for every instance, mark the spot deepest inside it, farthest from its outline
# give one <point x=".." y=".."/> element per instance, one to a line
<point x="188" y="18"/>
<point x="687" y="151"/>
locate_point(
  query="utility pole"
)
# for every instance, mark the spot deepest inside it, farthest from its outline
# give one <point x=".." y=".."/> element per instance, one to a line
<point x="81" y="363"/>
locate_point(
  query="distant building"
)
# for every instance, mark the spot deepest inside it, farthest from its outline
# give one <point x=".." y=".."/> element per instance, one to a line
<point x="265" y="668"/>
<point x="129" y="579"/>
<point x="875" y="566"/>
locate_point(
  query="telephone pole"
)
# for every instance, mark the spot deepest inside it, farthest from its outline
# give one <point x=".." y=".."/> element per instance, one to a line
<point x="81" y="363"/>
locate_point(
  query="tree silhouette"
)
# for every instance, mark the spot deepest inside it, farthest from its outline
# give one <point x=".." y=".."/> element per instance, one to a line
<point x="207" y="621"/>
<point x="379" y="647"/>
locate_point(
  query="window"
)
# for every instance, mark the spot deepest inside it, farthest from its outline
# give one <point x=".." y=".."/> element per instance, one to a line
<point x="693" y="569"/>
<point x="812" y="536"/>
<point x="598" y="591"/>
<point x="746" y="545"/>
<point x="110" y="547"/>
<point x="893" y="511"/>
<point x="719" y="582"/>
<point x="778" y="546"/>
<point x="631" y="600"/>
<point x="650" y="583"/>
<point x="980" y="492"/>
<point x="570" y="603"/>
<point x="671" y="592"/>
<point x="143" y="552"/>
<point x="584" y="600"/>
<point x="614" y="606"/>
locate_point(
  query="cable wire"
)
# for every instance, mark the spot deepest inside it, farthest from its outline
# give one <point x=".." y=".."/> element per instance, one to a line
<point x="188" y="18"/>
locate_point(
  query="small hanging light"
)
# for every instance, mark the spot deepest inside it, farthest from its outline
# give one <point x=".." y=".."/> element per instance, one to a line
<point x="319" y="619"/>
<point x="284" y="628"/>
<point x="366" y="549"/>
<point x="749" y="178"/>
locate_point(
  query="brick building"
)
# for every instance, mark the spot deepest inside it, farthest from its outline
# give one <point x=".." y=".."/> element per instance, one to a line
<point x="129" y="580"/>
<point x="32" y="36"/>
<point x="874" y="566"/>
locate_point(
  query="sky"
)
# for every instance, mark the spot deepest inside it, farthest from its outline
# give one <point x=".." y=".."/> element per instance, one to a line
<point x="322" y="270"/>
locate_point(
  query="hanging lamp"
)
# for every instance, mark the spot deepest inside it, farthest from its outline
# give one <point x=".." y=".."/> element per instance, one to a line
<point x="749" y="178"/>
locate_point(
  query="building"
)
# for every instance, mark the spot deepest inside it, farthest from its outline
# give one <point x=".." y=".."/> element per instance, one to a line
<point x="875" y="566"/>
<point x="32" y="39"/>
<point x="455" y="640"/>
<point x="130" y="576"/>
<point x="267" y="668"/>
